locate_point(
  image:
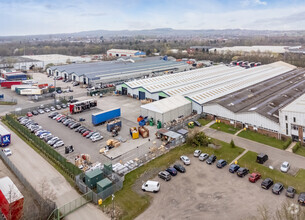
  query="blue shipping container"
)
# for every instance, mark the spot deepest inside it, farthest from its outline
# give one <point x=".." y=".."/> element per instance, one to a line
<point x="111" y="126"/>
<point x="104" y="116"/>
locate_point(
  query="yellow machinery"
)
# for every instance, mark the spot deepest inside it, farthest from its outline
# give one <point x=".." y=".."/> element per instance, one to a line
<point x="191" y="124"/>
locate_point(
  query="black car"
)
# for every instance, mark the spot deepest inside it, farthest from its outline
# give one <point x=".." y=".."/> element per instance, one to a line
<point x="267" y="183"/>
<point x="172" y="171"/>
<point x="241" y="172"/>
<point x="277" y="188"/>
<point x="179" y="168"/>
<point x="290" y="192"/>
<point x="76" y="125"/>
<point x="233" y="168"/>
<point x="77" y="129"/>
<point x="211" y="159"/>
<point x="261" y="158"/>
<point x="301" y="198"/>
<point x="221" y="163"/>
<point x="34" y="112"/>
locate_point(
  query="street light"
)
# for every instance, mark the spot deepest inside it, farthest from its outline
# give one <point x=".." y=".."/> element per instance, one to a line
<point x="112" y="214"/>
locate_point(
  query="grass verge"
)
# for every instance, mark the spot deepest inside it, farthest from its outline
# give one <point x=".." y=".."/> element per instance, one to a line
<point x="65" y="175"/>
<point x="264" y="139"/>
<point x="225" y="128"/>
<point x="249" y="161"/>
<point x="7" y="103"/>
<point x="203" y="121"/>
<point x="133" y="204"/>
<point x="300" y="151"/>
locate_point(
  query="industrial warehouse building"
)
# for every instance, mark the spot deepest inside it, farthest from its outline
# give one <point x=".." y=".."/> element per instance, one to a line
<point x="125" y="53"/>
<point x="20" y="63"/>
<point x="252" y="98"/>
<point x="117" y="71"/>
<point x="167" y="109"/>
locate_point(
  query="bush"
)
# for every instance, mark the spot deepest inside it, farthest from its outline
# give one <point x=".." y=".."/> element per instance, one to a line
<point x="286" y="144"/>
<point x="296" y="147"/>
<point x="232" y="144"/>
<point x="198" y="139"/>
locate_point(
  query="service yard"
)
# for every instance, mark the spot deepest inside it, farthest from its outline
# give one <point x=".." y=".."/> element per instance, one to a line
<point x="207" y="192"/>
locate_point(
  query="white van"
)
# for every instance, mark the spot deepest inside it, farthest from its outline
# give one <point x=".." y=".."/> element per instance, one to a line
<point x="151" y="186"/>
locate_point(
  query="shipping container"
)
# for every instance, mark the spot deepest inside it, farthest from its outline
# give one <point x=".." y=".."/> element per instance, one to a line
<point x="5" y="136"/>
<point x="144" y="132"/>
<point x="11" y="199"/>
<point x="104" y="116"/>
<point x="30" y="92"/>
<point x="112" y="124"/>
<point x="92" y="177"/>
<point x="103" y="185"/>
<point x="15" y="87"/>
<point x="42" y="85"/>
<point x="29" y="81"/>
<point x="14" y="76"/>
<point x="80" y="106"/>
<point x="8" y="84"/>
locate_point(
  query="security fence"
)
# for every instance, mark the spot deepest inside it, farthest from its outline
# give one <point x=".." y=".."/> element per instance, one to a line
<point x="44" y="148"/>
<point x="46" y="206"/>
<point x="101" y="91"/>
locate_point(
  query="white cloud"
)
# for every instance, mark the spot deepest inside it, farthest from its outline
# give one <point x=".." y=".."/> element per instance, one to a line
<point x="246" y="3"/>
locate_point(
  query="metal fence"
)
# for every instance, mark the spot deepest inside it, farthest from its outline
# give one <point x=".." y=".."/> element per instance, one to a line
<point x="44" y="148"/>
<point x="46" y="206"/>
<point x="4" y="101"/>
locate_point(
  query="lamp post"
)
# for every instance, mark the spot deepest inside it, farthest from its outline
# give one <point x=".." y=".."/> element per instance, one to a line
<point x="54" y="91"/>
<point x="112" y="214"/>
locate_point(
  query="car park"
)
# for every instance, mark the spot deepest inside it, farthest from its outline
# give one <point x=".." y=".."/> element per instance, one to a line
<point x="254" y="177"/>
<point x="197" y="153"/>
<point x="301" y="199"/>
<point x="29" y="114"/>
<point x="185" y="160"/>
<point x="7" y="152"/>
<point x="211" y="159"/>
<point x="58" y="144"/>
<point x="285" y="167"/>
<point x="164" y="175"/>
<point x="151" y="186"/>
<point x="241" y="172"/>
<point x="179" y="168"/>
<point x="221" y="163"/>
<point x="261" y="158"/>
<point x="290" y="192"/>
<point x="203" y="156"/>
<point x="267" y="183"/>
<point x="172" y="171"/>
<point x="277" y="188"/>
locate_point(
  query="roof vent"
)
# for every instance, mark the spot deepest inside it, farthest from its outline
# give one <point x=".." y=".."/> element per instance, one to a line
<point x="290" y="81"/>
<point x="272" y="104"/>
<point x="296" y="89"/>
<point x="281" y="77"/>
<point x="285" y="95"/>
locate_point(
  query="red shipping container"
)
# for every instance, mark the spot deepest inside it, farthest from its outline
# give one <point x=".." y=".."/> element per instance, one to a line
<point x="42" y="85"/>
<point x="11" y="199"/>
<point x="8" y="84"/>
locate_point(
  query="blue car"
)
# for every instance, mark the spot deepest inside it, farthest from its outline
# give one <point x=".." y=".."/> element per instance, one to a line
<point x="221" y="163"/>
<point x="172" y="171"/>
<point x="233" y="168"/>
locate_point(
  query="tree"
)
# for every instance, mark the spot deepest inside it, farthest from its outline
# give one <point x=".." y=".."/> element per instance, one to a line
<point x="232" y="144"/>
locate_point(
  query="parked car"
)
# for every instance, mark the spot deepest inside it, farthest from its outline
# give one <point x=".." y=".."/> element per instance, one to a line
<point x="58" y="107"/>
<point x="97" y="138"/>
<point x="267" y="183"/>
<point x="254" y="177"/>
<point x="301" y="199"/>
<point x="94" y="134"/>
<point x="241" y="172"/>
<point x="179" y="168"/>
<point x="47" y="138"/>
<point x="41" y="111"/>
<point x="172" y="171"/>
<point x="85" y="133"/>
<point x="75" y="84"/>
<point x="203" y="156"/>
<point x="221" y="163"/>
<point x="211" y="159"/>
<point x="52" y="108"/>
<point x="29" y="114"/>
<point x="34" y="112"/>
<point x="63" y="105"/>
<point x="51" y="115"/>
<point x="78" y="129"/>
<point x="57" y="116"/>
<point x="41" y="106"/>
<point x="67" y="121"/>
<point x="165" y="175"/>
<point x="261" y="158"/>
<point x="185" y="160"/>
<point x="151" y="186"/>
<point x="285" y="167"/>
<point x="277" y="188"/>
<point x="47" y="110"/>
<point x="45" y="134"/>
<point x="61" y="118"/>
<point x="197" y="153"/>
<point x="290" y="192"/>
<point x="58" y="144"/>
<point x="52" y="141"/>
<point x="75" y="125"/>
<point x="90" y="134"/>
<point x="233" y="168"/>
<point x="84" y="130"/>
<point x="7" y="152"/>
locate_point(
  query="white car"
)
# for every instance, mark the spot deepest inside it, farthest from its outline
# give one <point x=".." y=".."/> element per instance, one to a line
<point x="58" y="144"/>
<point x="285" y="167"/>
<point x="197" y="153"/>
<point x="7" y="151"/>
<point x="97" y="138"/>
<point x="151" y="186"/>
<point x="203" y="156"/>
<point x="185" y="160"/>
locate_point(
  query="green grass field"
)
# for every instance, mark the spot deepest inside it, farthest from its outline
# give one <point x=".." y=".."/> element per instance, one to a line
<point x="249" y="161"/>
<point x="264" y="139"/>
<point x="203" y="121"/>
<point x="225" y="128"/>
<point x="301" y="151"/>
<point x="132" y="204"/>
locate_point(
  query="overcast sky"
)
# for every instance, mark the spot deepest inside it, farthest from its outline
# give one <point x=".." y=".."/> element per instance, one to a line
<point x="24" y="17"/>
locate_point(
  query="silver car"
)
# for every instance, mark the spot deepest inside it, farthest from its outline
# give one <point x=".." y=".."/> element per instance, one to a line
<point x="58" y="144"/>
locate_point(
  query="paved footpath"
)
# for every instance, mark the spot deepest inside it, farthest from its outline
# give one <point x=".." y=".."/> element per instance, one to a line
<point x="37" y="170"/>
<point x="275" y="154"/>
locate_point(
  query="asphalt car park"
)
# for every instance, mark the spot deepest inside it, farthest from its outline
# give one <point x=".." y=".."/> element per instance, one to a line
<point x="206" y="192"/>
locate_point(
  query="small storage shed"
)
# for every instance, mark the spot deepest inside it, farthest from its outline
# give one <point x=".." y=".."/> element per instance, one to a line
<point x="92" y="177"/>
<point x="103" y="185"/>
<point x="167" y="109"/>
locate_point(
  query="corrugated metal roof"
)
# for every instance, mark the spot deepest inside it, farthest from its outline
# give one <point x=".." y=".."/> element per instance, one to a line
<point x="10" y="190"/>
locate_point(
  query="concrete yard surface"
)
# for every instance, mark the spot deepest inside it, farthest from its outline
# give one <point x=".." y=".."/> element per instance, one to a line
<point x="206" y="192"/>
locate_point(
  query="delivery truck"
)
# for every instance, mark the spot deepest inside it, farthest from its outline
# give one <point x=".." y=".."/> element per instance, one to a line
<point x="104" y="116"/>
<point x="5" y="137"/>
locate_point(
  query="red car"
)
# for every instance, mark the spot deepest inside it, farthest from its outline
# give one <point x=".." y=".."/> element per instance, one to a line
<point x="29" y="114"/>
<point x="85" y="133"/>
<point x="254" y="177"/>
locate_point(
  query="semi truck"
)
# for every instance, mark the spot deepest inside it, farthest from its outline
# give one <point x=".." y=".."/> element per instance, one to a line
<point x="5" y="137"/>
<point x="80" y="106"/>
<point x="8" y="84"/>
<point x="104" y="116"/>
